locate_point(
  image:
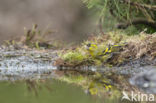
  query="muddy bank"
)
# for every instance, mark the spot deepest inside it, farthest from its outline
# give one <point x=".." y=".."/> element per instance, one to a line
<point x="35" y="66"/>
<point x="27" y="62"/>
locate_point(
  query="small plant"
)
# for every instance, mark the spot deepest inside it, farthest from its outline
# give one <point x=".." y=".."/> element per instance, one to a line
<point x="73" y="57"/>
<point x="30" y="34"/>
<point x="36" y="38"/>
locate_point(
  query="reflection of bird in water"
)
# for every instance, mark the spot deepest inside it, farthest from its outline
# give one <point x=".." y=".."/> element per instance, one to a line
<point x="146" y="80"/>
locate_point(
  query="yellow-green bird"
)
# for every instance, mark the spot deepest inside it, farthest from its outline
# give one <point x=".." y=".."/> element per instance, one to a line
<point x="92" y="49"/>
<point x="112" y="48"/>
<point x="94" y="52"/>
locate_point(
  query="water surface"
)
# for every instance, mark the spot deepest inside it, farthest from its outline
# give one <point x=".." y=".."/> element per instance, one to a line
<point x="51" y="91"/>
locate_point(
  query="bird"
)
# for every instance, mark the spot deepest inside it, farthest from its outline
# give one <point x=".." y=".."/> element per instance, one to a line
<point x="94" y="50"/>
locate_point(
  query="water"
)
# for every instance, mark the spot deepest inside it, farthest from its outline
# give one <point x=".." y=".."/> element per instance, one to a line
<point x="26" y="76"/>
<point x="51" y="91"/>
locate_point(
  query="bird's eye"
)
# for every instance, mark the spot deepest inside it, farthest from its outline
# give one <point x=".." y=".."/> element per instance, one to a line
<point x="88" y="44"/>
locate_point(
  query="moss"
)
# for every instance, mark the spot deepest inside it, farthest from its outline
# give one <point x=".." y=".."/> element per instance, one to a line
<point x="73" y="57"/>
<point x="97" y="62"/>
<point x="121" y="48"/>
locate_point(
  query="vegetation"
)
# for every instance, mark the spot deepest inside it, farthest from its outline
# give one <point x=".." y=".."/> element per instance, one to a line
<point x="141" y="13"/>
<point x="35" y="38"/>
<point x="112" y="49"/>
<point x="115" y="48"/>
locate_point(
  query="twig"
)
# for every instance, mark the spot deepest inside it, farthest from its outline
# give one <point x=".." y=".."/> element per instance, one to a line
<point x="150" y="7"/>
<point x="101" y="27"/>
<point x="135" y="22"/>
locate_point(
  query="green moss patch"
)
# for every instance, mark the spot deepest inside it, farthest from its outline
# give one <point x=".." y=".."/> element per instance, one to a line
<point x="114" y="48"/>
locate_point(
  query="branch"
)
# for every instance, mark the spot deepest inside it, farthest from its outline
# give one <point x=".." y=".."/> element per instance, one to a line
<point x="150" y="7"/>
<point x="135" y="22"/>
<point x="115" y="16"/>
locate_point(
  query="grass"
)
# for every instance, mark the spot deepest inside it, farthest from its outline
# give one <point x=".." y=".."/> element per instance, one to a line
<point x="131" y="47"/>
<point x="35" y="38"/>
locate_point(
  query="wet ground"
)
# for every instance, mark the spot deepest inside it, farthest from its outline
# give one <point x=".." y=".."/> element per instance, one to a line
<point x="25" y="63"/>
<point x="33" y="63"/>
<point x="22" y="66"/>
